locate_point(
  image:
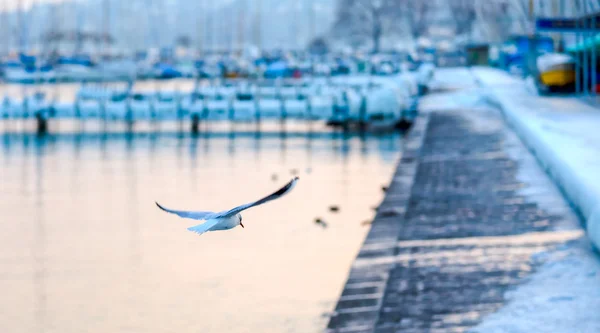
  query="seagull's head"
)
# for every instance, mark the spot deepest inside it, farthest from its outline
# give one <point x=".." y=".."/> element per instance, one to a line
<point x="240" y="217"/>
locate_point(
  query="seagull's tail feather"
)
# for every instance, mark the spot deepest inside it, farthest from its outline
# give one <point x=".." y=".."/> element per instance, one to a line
<point x="200" y="233"/>
<point x="198" y="229"/>
<point x="204" y="227"/>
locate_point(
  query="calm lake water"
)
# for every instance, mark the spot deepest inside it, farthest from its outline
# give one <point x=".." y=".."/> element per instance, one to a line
<point x="83" y="248"/>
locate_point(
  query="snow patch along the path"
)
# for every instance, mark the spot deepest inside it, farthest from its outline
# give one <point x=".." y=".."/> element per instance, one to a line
<point x="563" y="293"/>
<point x="563" y="296"/>
<point x="563" y="134"/>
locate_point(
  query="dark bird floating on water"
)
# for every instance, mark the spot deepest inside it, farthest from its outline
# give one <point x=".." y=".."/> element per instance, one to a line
<point x="320" y="222"/>
<point x="227" y="219"/>
<point x="334" y="208"/>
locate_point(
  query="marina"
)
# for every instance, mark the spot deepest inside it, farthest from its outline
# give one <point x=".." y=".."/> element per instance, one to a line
<point x="359" y="100"/>
<point x="399" y="166"/>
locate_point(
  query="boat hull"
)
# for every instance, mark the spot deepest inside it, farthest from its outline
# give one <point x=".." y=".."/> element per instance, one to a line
<point x="558" y="77"/>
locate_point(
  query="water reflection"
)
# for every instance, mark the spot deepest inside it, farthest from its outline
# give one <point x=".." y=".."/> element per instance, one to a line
<point x="89" y="250"/>
<point x="132" y="195"/>
<point x="39" y="243"/>
<point x="231" y="146"/>
<point x="256" y="146"/>
<point x="340" y="143"/>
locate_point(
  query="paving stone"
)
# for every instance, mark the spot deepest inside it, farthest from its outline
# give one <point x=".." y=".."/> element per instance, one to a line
<point x="459" y="238"/>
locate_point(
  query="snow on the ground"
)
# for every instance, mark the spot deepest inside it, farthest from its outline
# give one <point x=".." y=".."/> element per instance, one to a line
<point x="564" y="134"/>
<point x="490" y="76"/>
<point x="452" y="88"/>
<point x="453" y="100"/>
<point x="452" y="78"/>
<point x="562" y="296"/>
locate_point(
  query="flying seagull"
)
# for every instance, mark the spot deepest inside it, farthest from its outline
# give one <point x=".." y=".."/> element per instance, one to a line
<point x="228" y="219"/>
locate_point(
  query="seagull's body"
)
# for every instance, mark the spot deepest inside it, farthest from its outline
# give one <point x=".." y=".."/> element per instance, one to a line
<point x="229" y="219"/>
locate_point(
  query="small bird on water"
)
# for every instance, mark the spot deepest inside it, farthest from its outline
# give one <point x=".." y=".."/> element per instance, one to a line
<point x="229" y="219"/>
<point x="320" y="222"/>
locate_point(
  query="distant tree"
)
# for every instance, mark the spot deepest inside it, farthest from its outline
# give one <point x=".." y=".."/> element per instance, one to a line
<point x="183" y="41"/>
<point x="318" y="46"/>
<point x="497" y="19"/>
<point x="523" y="17"/>
<point x="374" y="16"/>
<point x="414" y="13"/>
<point x="371" y="20"/>
<point x="362" y="20"/>
<point x="464" y="15"/>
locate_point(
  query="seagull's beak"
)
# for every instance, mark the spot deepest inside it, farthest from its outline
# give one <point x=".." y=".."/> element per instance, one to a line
<point x="241" y="224"/>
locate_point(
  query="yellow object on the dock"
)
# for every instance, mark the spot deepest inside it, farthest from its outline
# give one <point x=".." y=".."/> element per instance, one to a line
<point x="559" y="77"/>
<point x="556" y="69"/>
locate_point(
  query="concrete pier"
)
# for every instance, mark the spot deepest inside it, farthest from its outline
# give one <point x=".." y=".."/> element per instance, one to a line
<point x="464" y="214"/>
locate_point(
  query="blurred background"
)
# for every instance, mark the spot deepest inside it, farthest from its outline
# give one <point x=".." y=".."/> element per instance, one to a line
<point x="110" y="105"/>
<point x="185" y="33"/>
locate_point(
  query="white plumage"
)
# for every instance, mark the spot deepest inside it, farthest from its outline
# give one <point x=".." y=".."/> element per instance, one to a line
<point x="229" y="219"/>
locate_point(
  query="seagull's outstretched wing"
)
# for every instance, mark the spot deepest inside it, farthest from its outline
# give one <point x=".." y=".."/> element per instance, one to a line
<point x="188" y="214"/>
<point x="204" y="227"/>
<point x="275" y="195"/>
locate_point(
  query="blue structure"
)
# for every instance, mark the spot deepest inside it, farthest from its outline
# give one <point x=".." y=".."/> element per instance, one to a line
<point x="277" y="69"/>
<point x="166" y="71"/>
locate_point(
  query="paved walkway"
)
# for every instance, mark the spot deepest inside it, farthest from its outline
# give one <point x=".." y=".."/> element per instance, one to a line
<point x="464" y="215"/>
<point x="564" y="133"/>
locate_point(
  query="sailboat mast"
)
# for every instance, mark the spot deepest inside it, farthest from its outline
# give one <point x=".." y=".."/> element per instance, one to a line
<point x="231" y="29"/>
<point x="106" y="26"/>
<point x="5" y="26"/>
<point x="257" y="26"/>
<point x="294" y="40"/>
<point x="150" y="25"/>
<point x="78" y="35"/>
<point x="200" y="20"/>
<point x="214" y="27"/>
<point x="241" y="25"/>
<point x="20" y="30"/>
<point x="311" y="32"/>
